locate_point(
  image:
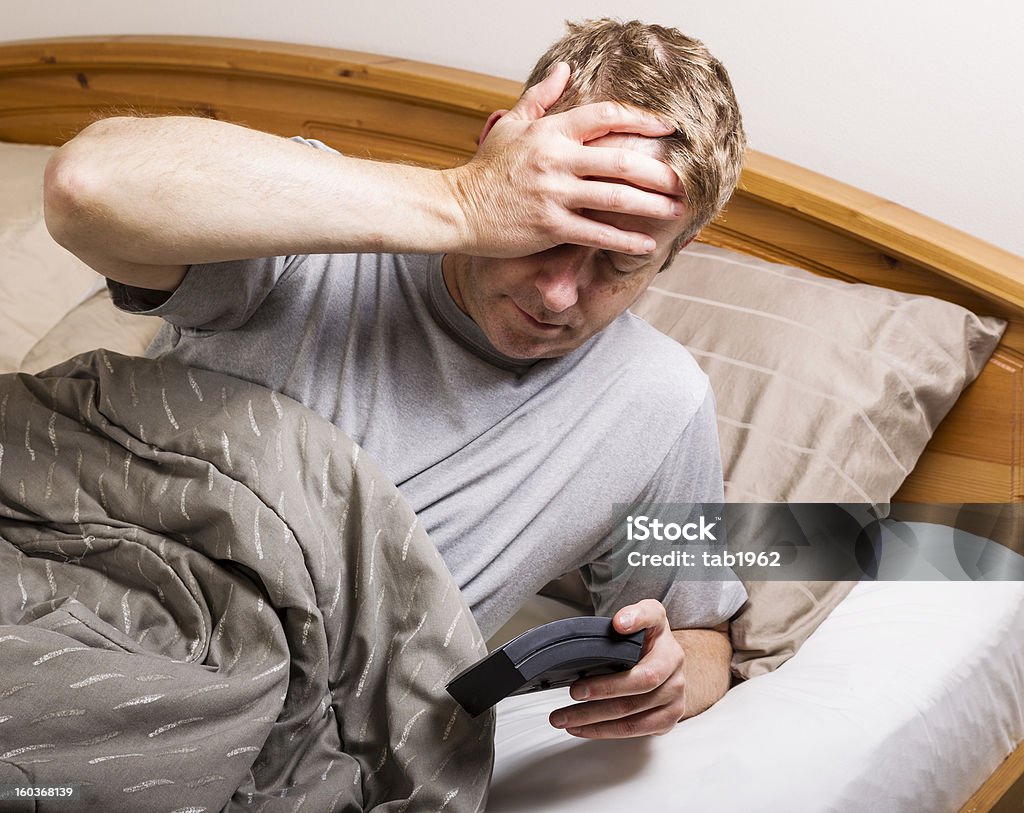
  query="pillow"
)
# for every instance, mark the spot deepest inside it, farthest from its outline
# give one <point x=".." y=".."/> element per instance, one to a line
<point x="826" y="392"/>
<point x="41" y="281"/>
<point x="93" y="323"/>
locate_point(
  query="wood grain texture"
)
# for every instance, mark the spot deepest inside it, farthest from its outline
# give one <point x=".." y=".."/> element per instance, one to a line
<point x="991" y="271"/>
<point x="394" y="109"/>
<point x="1004" y="790"/>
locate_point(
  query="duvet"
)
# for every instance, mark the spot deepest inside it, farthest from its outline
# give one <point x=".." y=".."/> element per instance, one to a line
<point x="211" y="600"/>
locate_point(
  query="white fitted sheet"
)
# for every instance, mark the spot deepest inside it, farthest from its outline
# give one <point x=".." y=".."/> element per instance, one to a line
<point x="905" y="699"/>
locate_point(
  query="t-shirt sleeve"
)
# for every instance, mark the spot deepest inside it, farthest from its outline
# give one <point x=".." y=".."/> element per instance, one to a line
<point x="691" y="474"/>
<point x="213" y="296"/>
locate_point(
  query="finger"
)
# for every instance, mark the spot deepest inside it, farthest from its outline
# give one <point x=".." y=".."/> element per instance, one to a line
<point x="536" y="100"/>
<point x="583" y="231"/>
<point x="648" y="614"/>
<point x="650" y="674"/>
<point x="590" y="121"/>
<point x="652" y="721"/>
<point x="627" y="165"/>
<point x="621" y="198"/>
<point x="615" y="708"/>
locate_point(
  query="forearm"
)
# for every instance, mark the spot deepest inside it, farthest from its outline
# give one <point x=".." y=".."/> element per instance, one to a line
<point x="141" y="199"/>
<point x="176" y="190"/>
<point x="708" y="654"/>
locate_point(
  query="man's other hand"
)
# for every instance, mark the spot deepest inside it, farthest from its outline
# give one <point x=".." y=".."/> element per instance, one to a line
<point x="679" y="674"/>
<point x="524" y="189"/>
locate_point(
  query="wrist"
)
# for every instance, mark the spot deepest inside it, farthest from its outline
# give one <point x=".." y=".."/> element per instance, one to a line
<point x="458" y="193"/>
<point x="707" y="657"/>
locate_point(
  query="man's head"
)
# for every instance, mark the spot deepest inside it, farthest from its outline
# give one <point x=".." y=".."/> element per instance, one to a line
<point x="548" y="304"/>
<point x="667" y="73"/>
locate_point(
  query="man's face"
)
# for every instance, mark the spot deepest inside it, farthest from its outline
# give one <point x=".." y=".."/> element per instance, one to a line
<point x="546" y="305"/>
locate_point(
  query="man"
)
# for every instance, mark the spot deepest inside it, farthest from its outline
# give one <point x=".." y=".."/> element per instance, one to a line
<point x="467" y="327"/>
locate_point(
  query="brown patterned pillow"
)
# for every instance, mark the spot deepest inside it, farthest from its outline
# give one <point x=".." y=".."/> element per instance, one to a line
<point x="826" y="392"/>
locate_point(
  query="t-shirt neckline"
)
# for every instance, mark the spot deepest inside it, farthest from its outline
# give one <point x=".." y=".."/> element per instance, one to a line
<point x="461" y="327"/>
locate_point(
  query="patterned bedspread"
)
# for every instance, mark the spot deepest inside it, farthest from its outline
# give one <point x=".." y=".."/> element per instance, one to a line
<point x="210" y="600"/>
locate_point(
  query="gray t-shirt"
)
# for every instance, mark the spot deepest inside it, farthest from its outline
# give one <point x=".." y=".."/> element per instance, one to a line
<point x="514" y="468"/>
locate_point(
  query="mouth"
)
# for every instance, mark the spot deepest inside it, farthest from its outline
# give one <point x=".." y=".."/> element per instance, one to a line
<point x="537" y="323"/>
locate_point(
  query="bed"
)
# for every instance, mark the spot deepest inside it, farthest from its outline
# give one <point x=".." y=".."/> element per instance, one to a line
<point x="393" y="109"/>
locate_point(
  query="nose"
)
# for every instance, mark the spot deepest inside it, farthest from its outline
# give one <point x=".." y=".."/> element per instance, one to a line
<point x="561" y="276"/>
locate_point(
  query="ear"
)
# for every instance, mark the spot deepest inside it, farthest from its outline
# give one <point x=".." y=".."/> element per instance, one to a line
<point x="492" y="119"/>
<point x="675" y="253"/>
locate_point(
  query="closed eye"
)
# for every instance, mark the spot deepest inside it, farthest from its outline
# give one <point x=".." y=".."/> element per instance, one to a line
<point x="623" y="264"/>
<point x="610" y="261"/>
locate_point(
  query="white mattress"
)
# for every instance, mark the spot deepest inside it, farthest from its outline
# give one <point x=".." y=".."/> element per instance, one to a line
<point x="905" y="699"/>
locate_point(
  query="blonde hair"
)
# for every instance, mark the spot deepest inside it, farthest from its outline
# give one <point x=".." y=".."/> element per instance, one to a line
<point x="673" y="76"/>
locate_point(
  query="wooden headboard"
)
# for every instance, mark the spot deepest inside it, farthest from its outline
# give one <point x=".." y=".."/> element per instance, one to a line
<point x="389" y="108"/>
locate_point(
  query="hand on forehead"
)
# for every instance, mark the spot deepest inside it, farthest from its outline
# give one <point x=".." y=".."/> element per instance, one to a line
<point x="649" y="158"/>
<point x="647" y="166"/>
<point x="539" y="172"/>
<point x="648" y="161"/>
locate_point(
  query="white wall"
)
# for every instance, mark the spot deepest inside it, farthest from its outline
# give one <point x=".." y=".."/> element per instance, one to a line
<point x="919" y="102"/>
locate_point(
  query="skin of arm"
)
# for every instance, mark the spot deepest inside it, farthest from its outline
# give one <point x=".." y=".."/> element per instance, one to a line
<point x="680" y="674"/>
<point x="140" y="199"/>
<point x="707" y="654"/>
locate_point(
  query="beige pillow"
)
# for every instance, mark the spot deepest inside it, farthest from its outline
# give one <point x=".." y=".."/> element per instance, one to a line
<point x="826" y="392"/>
<point x="39" y="281"/>
<point x="92" y="324"/>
